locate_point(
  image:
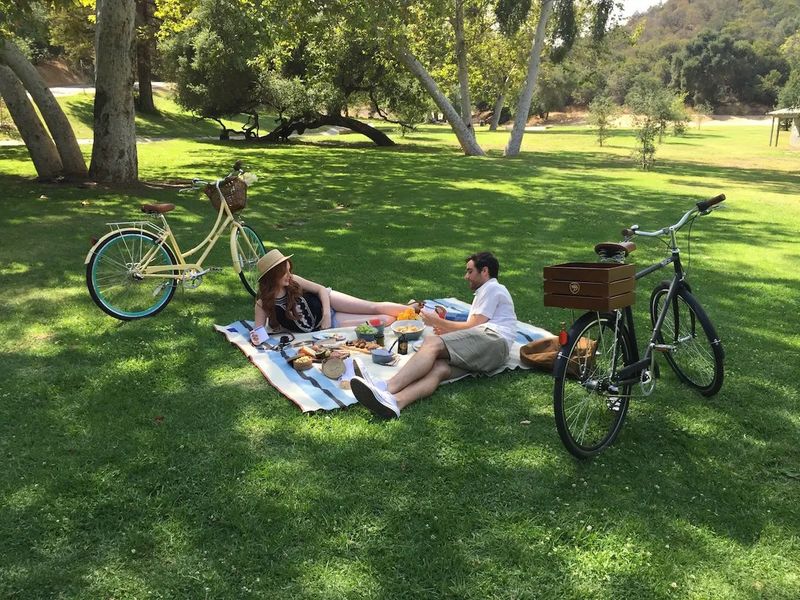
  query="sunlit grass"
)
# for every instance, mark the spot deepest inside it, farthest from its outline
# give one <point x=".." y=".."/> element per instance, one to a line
<point x="150" y="458"/>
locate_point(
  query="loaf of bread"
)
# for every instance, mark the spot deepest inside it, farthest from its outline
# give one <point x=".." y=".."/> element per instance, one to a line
<point x="303" y="363"/>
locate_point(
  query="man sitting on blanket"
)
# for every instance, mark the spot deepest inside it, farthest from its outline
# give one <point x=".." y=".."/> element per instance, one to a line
<point x="481" y="344"/>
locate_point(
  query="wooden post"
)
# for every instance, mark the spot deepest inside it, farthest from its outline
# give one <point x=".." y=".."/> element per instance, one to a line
<point x="771" y="127"/>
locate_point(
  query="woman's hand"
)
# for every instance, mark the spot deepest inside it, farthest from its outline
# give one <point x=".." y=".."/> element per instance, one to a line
<point x="325" y="323"/>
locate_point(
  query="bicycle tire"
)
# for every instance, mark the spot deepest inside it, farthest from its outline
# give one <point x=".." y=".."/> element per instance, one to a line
<point x="247" y="259"/>
<point x="113" y="282"/>
<point x="697" y="359"/>
<point x="588" y="414"/>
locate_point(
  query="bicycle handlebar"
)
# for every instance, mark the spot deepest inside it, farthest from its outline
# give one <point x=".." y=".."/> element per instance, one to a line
<point x="704" y="205"/>
<point x="703" y="208"/>
<point x="238" y="169"/>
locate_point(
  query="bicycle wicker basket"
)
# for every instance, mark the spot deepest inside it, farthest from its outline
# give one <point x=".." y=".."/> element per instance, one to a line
<point x="590" y="286"/>
<point x="234" y="192"/>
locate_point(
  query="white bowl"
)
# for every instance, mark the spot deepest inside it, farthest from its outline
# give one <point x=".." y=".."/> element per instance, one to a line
<point x="410" y="335"/>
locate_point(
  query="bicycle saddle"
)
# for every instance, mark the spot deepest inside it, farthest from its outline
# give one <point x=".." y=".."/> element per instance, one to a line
<point x="152" y="209"/>
<point x="612" y="248"/>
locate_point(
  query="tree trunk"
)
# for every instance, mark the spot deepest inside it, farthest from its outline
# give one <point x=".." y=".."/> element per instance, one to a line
<point x="498" y="106"/>
<point x="525" y="98"/>
<point x="463" y="69"/>
<point x="282" y="132"/>
<point x="41" y="148"/>
<point x="60" y="129"/>
<point x="464" y="135"/>
<point x="114" y="157"/>
<point x="144" y="55"/>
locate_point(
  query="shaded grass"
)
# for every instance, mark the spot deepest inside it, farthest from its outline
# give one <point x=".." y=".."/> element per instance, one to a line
<point x="148" y="458"/>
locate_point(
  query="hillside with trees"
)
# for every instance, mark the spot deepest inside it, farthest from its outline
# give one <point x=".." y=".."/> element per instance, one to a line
<point x="734" y="56"/>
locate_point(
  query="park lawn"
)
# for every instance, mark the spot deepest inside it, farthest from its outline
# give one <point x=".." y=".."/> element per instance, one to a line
<point x="170" y="122"/>
<point x="150" y="459"/>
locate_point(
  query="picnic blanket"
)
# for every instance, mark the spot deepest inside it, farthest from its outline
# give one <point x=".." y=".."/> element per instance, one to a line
<point x="312" y="391"/>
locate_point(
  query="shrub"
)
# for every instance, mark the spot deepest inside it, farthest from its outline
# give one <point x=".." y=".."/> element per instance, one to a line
<point x="602" y="111"/>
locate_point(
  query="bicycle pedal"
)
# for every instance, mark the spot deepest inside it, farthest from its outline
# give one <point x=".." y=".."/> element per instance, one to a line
<point x="665" y="348"/>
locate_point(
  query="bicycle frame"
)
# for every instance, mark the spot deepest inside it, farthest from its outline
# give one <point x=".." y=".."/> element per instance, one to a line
<point x="631" y="373"/>
<point x="165" y="236"/>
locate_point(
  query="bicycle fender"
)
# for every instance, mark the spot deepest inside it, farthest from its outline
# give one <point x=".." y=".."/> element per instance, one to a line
<point x="97" y="244"/>
<point x="234" y="255"/>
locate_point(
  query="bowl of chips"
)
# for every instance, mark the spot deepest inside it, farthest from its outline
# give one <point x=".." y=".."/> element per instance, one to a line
<point x="411" y="328"/>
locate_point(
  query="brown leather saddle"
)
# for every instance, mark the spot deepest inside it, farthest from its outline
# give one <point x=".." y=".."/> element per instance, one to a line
<point x="152" y="209"/>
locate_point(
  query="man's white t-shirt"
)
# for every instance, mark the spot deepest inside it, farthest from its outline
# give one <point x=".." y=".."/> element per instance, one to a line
<point x="493" y="301"/>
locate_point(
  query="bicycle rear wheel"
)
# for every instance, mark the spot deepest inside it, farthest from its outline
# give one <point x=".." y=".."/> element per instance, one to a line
<point x="249" y="249"/>
<point x="115" y="277"/>
<point x="696" y="355"/>
<point x="589" y="408"/>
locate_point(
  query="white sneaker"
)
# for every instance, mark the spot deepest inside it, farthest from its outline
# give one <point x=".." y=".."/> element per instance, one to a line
<point x="380" y="403"/>
<point x="361" y="371"/>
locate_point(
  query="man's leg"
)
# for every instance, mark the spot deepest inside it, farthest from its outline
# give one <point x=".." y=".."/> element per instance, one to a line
<point x="424" y="387"/>
<point x="420" y="365"/>
<point x="386" y="405"/>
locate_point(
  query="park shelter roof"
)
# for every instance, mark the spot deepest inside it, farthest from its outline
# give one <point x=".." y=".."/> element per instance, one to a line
<point x="785" y="112"/>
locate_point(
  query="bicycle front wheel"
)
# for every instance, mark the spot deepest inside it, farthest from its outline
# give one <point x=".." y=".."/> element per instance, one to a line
<point x="695" y="350"/>
<point x="589" y="407"/>
<point x="248" y="249"/>
<point x="117" y="277"/>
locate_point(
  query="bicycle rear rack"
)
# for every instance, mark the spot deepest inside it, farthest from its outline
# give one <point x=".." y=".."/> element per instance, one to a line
<point x="145" y="225"/>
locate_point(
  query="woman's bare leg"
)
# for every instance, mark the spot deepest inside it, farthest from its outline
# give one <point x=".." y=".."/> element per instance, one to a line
<point x="351" y="320"/>
<point x="344" y="303"/>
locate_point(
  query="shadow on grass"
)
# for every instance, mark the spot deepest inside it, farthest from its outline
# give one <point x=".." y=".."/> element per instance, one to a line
<point x="150" y="457"/>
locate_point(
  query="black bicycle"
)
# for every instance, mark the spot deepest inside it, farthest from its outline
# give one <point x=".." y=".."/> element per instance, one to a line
<point x="598" y="367"/>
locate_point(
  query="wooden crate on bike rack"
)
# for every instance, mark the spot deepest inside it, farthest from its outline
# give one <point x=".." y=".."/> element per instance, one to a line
<point x="589" y="286"/>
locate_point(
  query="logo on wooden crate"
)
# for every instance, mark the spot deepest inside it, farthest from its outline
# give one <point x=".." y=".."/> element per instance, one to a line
<point x="574" y="287"/>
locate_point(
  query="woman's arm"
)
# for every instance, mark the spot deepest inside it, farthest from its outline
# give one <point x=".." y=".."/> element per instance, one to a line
<point x="324" y="297"/>
<point x="260" y="321"/>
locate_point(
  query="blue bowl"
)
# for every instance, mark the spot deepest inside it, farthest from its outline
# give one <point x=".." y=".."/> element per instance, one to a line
<point x="381" y="356"/>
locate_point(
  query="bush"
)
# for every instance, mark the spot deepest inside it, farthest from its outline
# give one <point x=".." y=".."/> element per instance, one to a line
<point x="645" y="151"/>
<point x="602" y="111"/>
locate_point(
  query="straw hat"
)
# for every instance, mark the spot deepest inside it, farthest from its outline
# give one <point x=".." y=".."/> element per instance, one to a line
<point x="271" y="259"/>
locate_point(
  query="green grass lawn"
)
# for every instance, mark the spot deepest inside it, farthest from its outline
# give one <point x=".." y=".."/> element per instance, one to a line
<point x="150" y="458"/>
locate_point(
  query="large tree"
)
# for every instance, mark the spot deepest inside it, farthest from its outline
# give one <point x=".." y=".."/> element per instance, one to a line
<point x="114" y="156"/>
<point x="40" y="146"/>
<point x="57" y="123"/>
<point x="526" y="96"/>
<point x="146" y="28"/>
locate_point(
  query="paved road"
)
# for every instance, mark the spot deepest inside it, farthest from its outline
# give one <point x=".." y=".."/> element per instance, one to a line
<point x="70" y="90"/>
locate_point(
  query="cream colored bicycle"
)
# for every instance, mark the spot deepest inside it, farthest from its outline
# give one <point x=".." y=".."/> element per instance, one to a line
<point x="133" y="270"/>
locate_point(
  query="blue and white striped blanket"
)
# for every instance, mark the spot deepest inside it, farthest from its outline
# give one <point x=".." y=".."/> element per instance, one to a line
<point x="312" y="391"/>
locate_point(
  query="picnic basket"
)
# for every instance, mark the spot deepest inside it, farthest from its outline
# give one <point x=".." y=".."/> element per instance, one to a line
<point x="590" y="286"/>
<point x="234" y="192"/>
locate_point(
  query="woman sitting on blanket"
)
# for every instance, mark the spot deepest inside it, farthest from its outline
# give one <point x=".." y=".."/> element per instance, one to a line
<point x="287" y="301"/>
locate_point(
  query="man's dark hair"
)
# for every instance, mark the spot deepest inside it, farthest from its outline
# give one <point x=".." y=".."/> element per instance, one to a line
<point x="485" y="259"/>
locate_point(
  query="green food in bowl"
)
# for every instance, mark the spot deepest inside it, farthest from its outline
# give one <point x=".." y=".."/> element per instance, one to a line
<point x="365" y="329"/>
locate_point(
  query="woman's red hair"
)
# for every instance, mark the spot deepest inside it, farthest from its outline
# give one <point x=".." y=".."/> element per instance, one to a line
<point x="268" y="291"/>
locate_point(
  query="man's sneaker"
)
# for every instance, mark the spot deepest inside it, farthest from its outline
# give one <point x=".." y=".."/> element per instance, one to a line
<point x="380" y="403"/>
<point x="361" y="371"/>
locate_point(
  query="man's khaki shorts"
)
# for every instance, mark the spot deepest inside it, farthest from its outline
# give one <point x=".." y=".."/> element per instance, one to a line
<point x="477" y="349"/>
